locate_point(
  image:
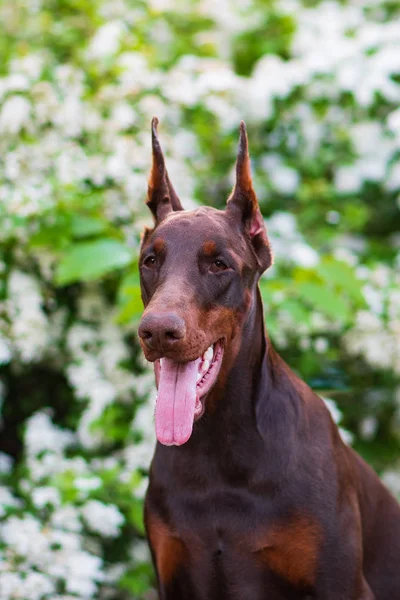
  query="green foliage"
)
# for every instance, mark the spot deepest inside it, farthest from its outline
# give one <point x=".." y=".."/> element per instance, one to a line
<point x="129" y="299"/>
<point x="85" y="261"/>
<point x="271" y="36"/>
<point x="137" y="581"/>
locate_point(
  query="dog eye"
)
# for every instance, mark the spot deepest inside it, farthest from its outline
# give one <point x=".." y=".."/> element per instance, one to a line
<point x="149" y="261"/>
<point x="218" y="265"/>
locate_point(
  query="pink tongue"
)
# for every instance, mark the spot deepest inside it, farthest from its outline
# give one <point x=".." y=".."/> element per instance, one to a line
<point x="176" y="401"/>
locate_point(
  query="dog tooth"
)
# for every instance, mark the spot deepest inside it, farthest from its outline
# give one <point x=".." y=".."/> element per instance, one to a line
<point x="208" y="354"/>
<point x="205" y="366"/>
<point x="198" y="377"/>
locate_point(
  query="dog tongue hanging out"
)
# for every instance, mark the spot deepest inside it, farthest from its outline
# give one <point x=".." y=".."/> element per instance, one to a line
<point x="181" y="387"/>
<point x="188" y="256"/>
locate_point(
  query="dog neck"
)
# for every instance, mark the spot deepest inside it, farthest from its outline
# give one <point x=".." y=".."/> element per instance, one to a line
<point x="259" y="395"/>
<point x="231" y="403"/>
<point x="250" y="365"/>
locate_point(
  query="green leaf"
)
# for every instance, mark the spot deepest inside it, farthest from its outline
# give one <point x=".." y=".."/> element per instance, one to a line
<point x="85" y="261"/>
<point x="129" y="299"/>
<point x="341" y="275"/>
<point x="135" y="515"/>
<point x="137" y="580"/>
<point x="323" y="300"/>
<point x="114" y="422"/>
<point x="84" y="226"/>
<point x="55" y="235"/>
<point x="296" y="310"/>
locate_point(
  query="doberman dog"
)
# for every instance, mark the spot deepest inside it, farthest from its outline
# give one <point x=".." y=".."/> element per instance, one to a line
<point x="252" y="494"/>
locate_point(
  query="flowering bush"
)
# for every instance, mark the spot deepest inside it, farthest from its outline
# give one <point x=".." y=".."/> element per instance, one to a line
<point x="319" y="85"/>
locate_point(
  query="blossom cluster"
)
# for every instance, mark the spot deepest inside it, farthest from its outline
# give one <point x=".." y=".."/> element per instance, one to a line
<point x="319" y="87"/>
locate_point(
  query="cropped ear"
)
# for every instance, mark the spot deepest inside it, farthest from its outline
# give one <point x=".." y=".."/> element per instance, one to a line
<point x="162" y="198"/>
<point x="243" y="206"/>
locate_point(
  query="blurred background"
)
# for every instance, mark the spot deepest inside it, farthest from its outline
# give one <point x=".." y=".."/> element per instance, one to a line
<point x="318" y="84"/>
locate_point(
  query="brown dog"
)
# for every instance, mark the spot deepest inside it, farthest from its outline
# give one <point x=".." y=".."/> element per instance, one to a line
<point x="253" y="495"/>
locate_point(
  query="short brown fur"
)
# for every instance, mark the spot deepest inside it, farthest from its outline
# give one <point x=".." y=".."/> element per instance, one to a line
<point x="159" y="245"/>
<point x="168" y="549"/>
<point x="209" y="248"/>
<point x="291" y="550"/>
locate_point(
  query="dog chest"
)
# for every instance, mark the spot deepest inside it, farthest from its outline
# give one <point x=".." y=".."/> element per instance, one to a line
<point x="234" y="532"/>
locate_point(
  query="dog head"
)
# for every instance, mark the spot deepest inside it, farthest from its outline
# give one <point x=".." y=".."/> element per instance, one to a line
<point x="198" y="272"/>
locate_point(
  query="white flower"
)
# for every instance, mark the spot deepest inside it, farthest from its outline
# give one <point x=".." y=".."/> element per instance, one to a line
<point x="29" y="65"/>
<point x="70" y="79"/>
<point x="81" y="338"/>
<point x="282" y="224"/>
<point x="381" y="275"/>
<point x="374" y="298"/>
<point x="332" y="217"/>
<point x="15" y="115"/>
<point x="369" y="336"/>
<point x="321" y="345"/>
<point x="138" y="456"/>
<point x="104" y="519"/>
<point x="41" y="496"/>
<point x="5" y="352"/>
<point x="288" y="243"/>
<point x="305" y="343"/>
<point x="7" y="500"/>
<point x="333" y="409"/>
<point x="25" y="537"/>
<point x="345" y="255"/>
<point x="6" y="462"/>
<point x="303" y="255"/>
<point x="36" y="586"/>
<point x="141" y="489"/>
<point x="140" y="552"/>
<point x="122" y="116"/>
<point x="144" y="416"/>
<point x="66" y="518"/>
<point x="15" y="82"/>
<point x="29" y="329"/>
<point x="393" y="180"/>
<point x="144" y="384"/>
<point x="11" y="586"/>
<point x="348" y="179"/>
<point x="271" y="78"/>
<point x="368" y="322"/>
<point x="87" y="484"/>
<point x="41" y="434"/>
<point x="227" y="114"/>
<point x="161" y="5"/>
<point x="284" y="178"/>
<point x="70" y="118"/>
<point x="67" y="597"/>
<point x="391" y="478"/>
<point x="368" y="427"/>
<point x="80" y="570"/>
<point x="106" y="40"/>
<point x="346" y="436"/>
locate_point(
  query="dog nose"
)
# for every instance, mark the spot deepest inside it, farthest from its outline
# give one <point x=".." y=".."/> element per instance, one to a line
<point x="160" y="331"/>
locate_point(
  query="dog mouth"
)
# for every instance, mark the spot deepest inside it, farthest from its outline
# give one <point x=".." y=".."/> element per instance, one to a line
<point x="182" y="388"/>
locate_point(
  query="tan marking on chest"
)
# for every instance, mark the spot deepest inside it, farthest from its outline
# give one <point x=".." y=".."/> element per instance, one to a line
<point x="291" y="550"/>
<point x="169" y="551"/>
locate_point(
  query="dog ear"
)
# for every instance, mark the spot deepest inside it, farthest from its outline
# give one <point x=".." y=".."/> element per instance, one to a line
<point x="243" y="206"/>
<point x="162" y="198"/>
